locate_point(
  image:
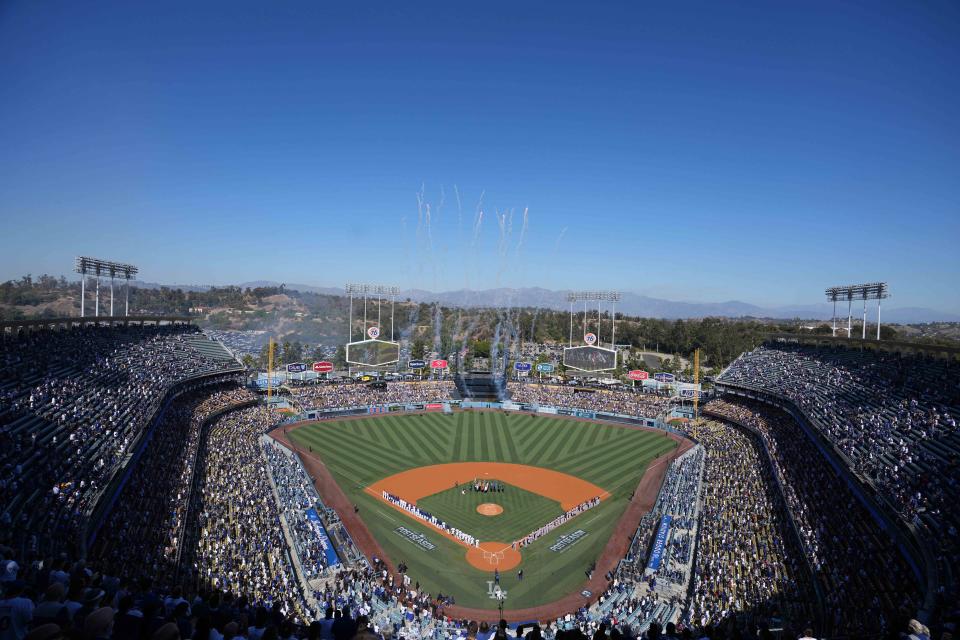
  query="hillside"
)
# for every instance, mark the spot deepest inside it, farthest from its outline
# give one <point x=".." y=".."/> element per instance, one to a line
<point x="315" y="318"/>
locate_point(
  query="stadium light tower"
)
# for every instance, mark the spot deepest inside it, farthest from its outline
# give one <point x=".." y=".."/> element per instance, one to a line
<point x="600" y="296"/>
<point x="96" y="267"/>
<point x="870" y="291"/>
<point x="366" y="290"/>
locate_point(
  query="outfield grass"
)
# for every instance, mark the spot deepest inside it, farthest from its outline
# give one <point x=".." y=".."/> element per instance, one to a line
<point x="523" y="512"/>
<point x="361" y="451"/>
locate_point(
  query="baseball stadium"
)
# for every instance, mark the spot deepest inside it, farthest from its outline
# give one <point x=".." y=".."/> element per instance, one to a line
<point x="479" y="321"/>
<point x="422" y="498"/>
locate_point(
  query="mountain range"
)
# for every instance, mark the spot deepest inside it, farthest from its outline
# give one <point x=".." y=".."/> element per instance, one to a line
<point x="639" y="305"/>
<point x="633" y="304"/>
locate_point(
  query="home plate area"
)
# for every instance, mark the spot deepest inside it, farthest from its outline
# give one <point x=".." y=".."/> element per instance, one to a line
<point x="490" y="556"/>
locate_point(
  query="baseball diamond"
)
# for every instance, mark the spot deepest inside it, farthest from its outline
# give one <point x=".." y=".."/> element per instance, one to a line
<point x="429" y="473"/>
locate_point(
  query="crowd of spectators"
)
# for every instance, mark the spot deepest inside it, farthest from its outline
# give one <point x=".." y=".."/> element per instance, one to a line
<point x="296" y="495"/>
<point x="333" y="396"/>
<point x="74" y="404"/>
<point x="236" y="543"/>
<point x="892" y="418"/>
<point x="145" y="528"/>
<point x="748" y="558"/>
<point x="895" y="418"/>
<point x="631" y="403"/>
<point x="867" y="586"/>
<point x="672" y="577"/>
<point x="195" y="545"/>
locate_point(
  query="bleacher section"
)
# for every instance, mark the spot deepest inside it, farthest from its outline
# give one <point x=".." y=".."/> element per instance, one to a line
<point x="892" y="418"/>
<point x="74" y="405"/>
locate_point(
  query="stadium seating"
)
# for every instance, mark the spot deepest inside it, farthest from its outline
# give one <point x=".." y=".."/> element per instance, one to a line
<point x="625" y="402"/>
<point x="892" y="418"/>
<point x="207" y="526"/>
<point x="866" y="582"/>
<point x="74" y="405"/>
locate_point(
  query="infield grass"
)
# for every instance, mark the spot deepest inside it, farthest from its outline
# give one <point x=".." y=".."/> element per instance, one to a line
<point x="523" y="511"/>
<point x="361" y="451"/>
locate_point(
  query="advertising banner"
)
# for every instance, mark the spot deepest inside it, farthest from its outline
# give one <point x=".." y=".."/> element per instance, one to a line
<point x="659" y="544"/>
<point x="317" y="525"/>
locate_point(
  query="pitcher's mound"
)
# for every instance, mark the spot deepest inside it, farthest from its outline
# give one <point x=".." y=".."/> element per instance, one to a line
<point x="493" y="555"/>
<point x="489" y="509"/>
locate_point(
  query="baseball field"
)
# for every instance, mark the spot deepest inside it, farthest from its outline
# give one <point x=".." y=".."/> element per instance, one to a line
<point x="530" y="470"/>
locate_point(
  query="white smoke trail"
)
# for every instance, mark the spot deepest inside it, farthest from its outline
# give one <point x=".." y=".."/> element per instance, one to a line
<point x="556" y="246"/>
<point x="407" y="331"/>
<point x="523" y="231"/>
<point x="437" y="329"/>
<point x="456" y="192"/>
<point x="495" y="348"/>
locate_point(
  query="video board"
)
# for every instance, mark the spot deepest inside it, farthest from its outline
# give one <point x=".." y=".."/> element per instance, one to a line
<point x="589" y="358"/>
<point x="373" y="353"/>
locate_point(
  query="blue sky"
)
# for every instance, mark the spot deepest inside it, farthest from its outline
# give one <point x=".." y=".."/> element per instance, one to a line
<point x="702" y="152"/>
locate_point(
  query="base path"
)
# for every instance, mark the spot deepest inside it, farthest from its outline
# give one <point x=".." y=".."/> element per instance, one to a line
<point x="643" y="500"/>
<point x="414" y="484"/>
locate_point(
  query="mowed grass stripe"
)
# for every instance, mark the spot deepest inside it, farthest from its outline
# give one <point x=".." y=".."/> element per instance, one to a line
<point x="539" y="446"/>
<point x="426" y="433"/>
<point x="528" y="431"/>
<point x="361" y="456"/>
<point x="460" y="442"/>
<point x="350" y="455"/>
<point x="413" y="434"/>
<point x="493" y="432"/>
<point x="359" y="427"/>
<point x="592" y="440"/>
<point x="376" y="430"/>
<point x="532" y="438"/>
<point x="334" y="434"/>
<point x="605" y="434"/>
<point x="556" y="442"/>
<point x="639" y="451"/>
<point x="438" y="432"/>
<point x="480" y="438"/>
<point x="596" y="459"/>
<point x="471" y="436"/>
<point x="602" y="451"/>
<point x="573" y="445"/>
<point x="553" y="440"/>
<point x="466" y="438"/>
<point x="385" y="431"/>
<point x="504" y="430"/>
<point x="641" y="459"/>
<point x="457" y="436"/>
